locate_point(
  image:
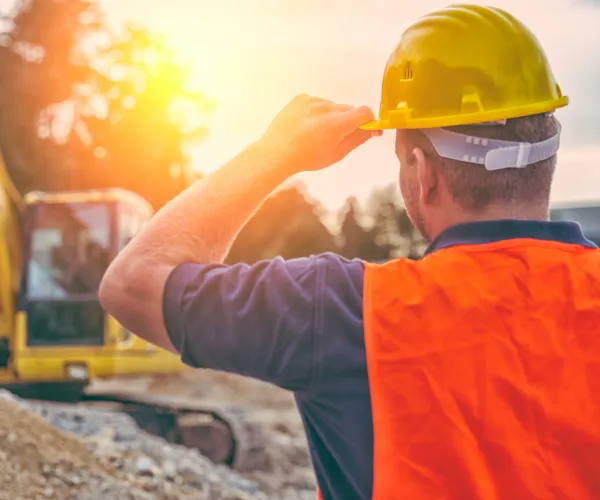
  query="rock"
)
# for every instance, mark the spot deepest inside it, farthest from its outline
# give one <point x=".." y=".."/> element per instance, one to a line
<point x="169" y="469"/>
<point x="125" y="434"/>
<point x="144" y="466"/>
<point x="49" y="492"/>
<point x="72" y="479"/>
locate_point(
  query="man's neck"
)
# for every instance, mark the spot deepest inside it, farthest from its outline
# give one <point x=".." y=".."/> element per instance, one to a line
<point x="493" y="212"/>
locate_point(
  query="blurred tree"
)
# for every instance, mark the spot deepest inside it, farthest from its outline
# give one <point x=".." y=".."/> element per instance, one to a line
<point x="353" y="234"/>
<point x="381" y="231"/>
<point x="149" y="117"/>
<point x="394" y="233"/>
<point x="82" y="106"/>
<point x="287" y="225"/>
<point x="382" y="210"/>
<point x="36" y="71"/>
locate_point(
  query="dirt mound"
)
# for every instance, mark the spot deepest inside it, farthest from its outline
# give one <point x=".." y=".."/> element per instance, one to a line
<point x="39" y="461"/>
<point x="101" y="456"/>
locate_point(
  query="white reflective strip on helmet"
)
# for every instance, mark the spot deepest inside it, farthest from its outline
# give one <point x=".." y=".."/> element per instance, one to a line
<point x="492" y="153"/>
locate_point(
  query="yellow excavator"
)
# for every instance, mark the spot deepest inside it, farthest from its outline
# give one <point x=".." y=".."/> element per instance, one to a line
<point x="55" y="339"/>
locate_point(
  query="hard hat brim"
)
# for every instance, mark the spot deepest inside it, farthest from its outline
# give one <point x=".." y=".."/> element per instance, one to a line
<point x="404" y="121"/>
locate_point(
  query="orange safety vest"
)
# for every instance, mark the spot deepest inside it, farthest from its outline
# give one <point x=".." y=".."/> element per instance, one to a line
<point x="484" y="372"/>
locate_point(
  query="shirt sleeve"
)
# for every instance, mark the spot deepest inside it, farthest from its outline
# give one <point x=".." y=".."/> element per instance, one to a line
<point x="267" y="320"/>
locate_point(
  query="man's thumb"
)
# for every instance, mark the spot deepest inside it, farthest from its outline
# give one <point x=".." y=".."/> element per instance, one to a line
<point x="356" y="117"/>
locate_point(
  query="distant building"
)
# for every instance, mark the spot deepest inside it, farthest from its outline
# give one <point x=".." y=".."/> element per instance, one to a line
<point x="585" y="213"/>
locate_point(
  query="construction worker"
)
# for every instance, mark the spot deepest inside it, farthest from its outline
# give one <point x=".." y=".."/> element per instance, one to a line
<point x="472" y="373"/>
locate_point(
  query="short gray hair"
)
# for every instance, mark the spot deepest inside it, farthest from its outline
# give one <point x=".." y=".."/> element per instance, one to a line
<point x="474" y="187"/>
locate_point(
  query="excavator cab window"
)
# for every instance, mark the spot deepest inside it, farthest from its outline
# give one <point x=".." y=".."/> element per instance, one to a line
<point x="68" y="248"/>
<point x="587" y="216"/>
<point x="70" y="245"/>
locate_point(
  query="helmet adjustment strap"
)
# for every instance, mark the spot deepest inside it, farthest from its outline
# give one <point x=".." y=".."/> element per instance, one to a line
<point x="494" y="154"/>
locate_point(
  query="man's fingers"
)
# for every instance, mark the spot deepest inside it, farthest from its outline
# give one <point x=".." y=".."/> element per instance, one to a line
<point x="354" y="140"/>
<point x="355" y="117"/>
<point x="329" y="107"/>
<point x="318" y="130"/>
<point x="344" y="107"/>
<point x="347" y="117"/>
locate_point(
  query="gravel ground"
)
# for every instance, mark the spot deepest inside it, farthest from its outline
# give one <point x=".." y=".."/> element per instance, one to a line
<point x="69" y="452"/>
<point x="291" y="474"/>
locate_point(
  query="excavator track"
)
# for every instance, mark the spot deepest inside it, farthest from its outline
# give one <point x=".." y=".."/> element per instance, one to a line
<point x="224" y="434"/>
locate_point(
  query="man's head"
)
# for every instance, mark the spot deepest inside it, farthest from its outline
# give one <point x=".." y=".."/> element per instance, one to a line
<point x="439" y="192"/>
<point x="453" y="68"/>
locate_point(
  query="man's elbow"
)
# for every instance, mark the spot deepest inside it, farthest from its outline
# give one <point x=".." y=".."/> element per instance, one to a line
<point x="133" y="296"/>
<point x="113" y="294"/>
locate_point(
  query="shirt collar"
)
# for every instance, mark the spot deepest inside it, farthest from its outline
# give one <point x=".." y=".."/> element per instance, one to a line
<point x="474" y="233"/>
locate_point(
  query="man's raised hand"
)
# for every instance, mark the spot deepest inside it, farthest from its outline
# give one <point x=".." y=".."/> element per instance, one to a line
<point x="311" y="133"/>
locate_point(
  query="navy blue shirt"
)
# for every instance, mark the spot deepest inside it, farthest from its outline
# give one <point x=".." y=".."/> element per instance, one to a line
<point x="299" y="324"/>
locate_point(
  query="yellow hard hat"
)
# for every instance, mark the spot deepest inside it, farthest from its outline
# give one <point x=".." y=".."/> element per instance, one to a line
<point x="465" y="64"/>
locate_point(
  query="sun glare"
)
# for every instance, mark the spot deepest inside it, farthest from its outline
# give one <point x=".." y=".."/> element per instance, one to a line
<point x="230" y="58"/>
<point x="207" y="37"/>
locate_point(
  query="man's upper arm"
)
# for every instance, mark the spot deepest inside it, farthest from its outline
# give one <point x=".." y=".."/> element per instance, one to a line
<point x="267" y="320"/>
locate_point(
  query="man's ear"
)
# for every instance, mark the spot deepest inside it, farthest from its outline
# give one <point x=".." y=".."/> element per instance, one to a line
<point x="428" y="176"/>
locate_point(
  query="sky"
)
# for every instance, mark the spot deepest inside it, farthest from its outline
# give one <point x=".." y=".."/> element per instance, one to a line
<point x="254" y="56"/>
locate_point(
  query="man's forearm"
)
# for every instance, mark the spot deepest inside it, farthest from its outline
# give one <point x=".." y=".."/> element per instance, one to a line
<point x="197" y="226"/>
<point x="201" y="223"/>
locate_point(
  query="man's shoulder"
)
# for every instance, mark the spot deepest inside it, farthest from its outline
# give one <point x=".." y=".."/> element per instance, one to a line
<point x="290" y="318"/>
<point x="326" y="274"/>
<point x="335" y="265"/>
<point x="277" y="264"/>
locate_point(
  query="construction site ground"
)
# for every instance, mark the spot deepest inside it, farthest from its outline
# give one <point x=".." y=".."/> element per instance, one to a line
<point x="65" y="451"/>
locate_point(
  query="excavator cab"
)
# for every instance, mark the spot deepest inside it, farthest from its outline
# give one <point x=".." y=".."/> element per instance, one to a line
<point x="61" y="334"/>
<point x="585" y="213"/>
